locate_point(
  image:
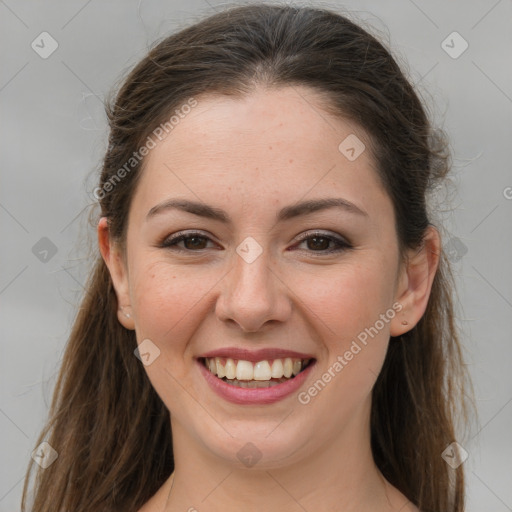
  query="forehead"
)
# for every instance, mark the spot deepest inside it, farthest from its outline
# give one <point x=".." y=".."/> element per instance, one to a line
<point x="289" y="119"/>
<point x="274" y="143"/>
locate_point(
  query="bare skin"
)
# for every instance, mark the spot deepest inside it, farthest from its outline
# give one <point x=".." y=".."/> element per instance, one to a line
<point x="252" y="157"/>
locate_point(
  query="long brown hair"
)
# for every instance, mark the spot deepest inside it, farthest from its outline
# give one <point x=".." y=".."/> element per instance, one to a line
<point x="108" y="425"/>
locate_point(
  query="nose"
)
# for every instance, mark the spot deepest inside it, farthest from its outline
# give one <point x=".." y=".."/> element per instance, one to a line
<point x="252" y="294"/>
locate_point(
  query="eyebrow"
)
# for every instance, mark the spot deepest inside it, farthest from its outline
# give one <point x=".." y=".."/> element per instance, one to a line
<point x="287" y="213"/>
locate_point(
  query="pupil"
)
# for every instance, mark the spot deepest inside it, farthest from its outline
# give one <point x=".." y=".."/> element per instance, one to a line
<point x="189" y="243"/>
<point x="319" y="246"/>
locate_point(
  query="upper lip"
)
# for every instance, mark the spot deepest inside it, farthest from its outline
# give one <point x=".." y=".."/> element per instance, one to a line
<point x="255" y="355"/>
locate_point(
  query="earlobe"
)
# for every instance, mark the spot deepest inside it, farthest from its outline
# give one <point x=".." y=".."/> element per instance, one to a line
<point x="113" y="259"/>
<point x="415" y="282"/>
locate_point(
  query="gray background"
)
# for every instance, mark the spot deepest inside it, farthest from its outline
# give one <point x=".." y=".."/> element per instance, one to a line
<point x="53" y="134"/>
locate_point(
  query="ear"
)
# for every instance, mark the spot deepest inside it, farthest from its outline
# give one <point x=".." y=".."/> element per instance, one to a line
<point x="415" y="282"/>
<point x="116" y="265"/>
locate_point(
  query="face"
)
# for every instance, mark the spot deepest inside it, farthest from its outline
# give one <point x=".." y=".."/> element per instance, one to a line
<point x="255" y="277"/>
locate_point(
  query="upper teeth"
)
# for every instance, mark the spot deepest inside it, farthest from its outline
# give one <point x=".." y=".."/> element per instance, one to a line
<point x="262" y="370"/>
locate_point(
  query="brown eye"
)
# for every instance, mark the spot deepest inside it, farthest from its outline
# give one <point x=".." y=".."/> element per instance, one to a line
<point x="191" y="242"/>
<point x="194" y="242"/>
<point x="324" y="244"/>
<point x="318" y="243"/>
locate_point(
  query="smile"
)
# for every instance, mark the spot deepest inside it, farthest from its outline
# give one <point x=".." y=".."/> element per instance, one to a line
<point x="262" y="374"/>
<point x="259" y="382"/>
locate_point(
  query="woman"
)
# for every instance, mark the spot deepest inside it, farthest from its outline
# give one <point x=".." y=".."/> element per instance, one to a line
<point x="269" y="324"/>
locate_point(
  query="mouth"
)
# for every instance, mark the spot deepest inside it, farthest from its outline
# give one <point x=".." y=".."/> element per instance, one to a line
<point x="255" y="375"/>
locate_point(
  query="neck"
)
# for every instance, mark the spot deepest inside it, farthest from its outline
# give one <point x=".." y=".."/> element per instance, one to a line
<point x="341" y="475"/>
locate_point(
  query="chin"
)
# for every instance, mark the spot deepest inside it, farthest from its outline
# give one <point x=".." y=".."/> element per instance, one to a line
<point x="259" y="445"/>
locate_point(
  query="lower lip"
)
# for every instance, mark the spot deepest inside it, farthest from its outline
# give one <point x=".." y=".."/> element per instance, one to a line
<point x="254" y="396"/>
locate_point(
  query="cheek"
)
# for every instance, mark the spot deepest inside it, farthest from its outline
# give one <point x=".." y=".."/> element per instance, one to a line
<point x="348" y="305"/>
<point x="345" y="298"/>
<point x="348" y="298"/>
<point x="167" y="299"/>
<point x="167" y="304"/>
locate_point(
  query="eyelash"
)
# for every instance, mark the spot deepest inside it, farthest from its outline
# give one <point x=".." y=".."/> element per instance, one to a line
<point x="171" y="242"/>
